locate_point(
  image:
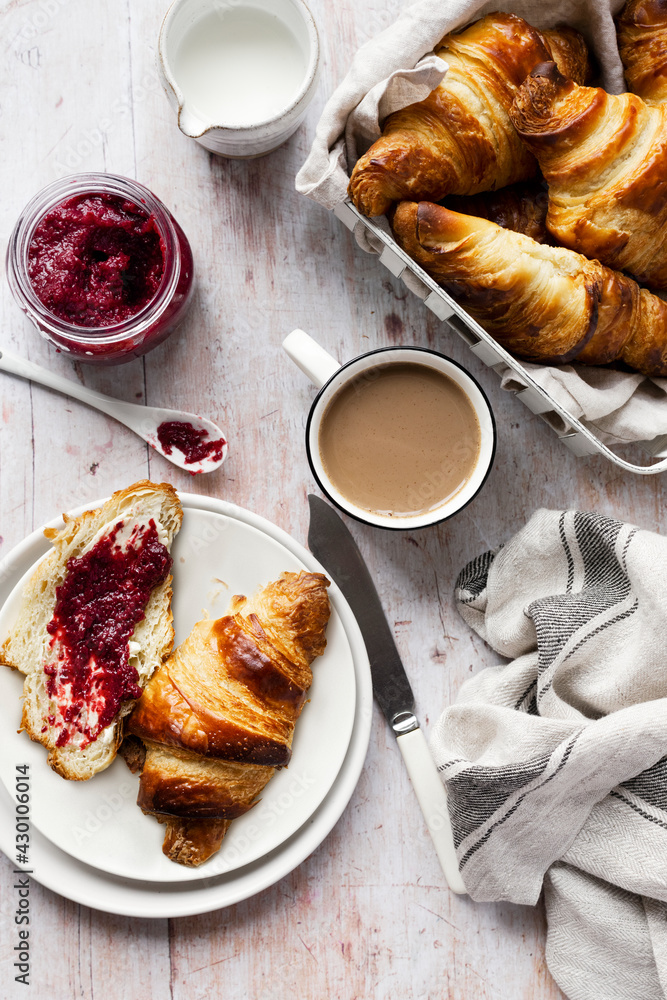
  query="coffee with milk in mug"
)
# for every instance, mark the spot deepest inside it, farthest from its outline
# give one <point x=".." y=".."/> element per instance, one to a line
<point x="400" y="439"/>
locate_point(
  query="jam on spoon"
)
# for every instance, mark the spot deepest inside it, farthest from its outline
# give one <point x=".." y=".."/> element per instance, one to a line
<point x="189" y="440"/>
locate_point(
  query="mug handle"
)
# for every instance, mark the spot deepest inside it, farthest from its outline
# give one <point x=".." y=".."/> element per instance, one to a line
<point x="312" y="359"/>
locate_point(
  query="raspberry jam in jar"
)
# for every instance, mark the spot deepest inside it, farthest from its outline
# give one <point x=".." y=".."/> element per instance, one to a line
<point x="101" y="268"/>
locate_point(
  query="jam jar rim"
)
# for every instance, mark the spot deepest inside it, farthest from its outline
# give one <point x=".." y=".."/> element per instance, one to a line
<point x="60" y="191"/>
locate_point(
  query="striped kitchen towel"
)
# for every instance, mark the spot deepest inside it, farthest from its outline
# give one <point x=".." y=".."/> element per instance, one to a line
<point x="556" y="762"/>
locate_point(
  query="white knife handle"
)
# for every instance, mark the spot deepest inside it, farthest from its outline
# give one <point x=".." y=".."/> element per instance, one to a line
<point x="432" y="798"/>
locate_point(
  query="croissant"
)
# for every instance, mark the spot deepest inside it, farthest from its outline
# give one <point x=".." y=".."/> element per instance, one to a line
<point x="604" y="157"/>
<point x="641" y="30"/>
<point x="218" y="717"/>
<point x="520" y="207"/>
<point x="542" y="303"/>
<point x="460" y="139"/>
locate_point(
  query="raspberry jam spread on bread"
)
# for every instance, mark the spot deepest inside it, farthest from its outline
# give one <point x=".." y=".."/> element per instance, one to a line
<point x="101" y="599"/>
<point x="189" y="440"/>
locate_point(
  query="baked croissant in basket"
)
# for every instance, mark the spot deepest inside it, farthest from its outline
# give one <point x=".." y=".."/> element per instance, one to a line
<point x="542" y="303"/>
<point x="641" y="30"/>
<point x="520" y="207"/>
<point x="460" y="139"/>
<point x="604" y="157"/>
<point x="218" y="717"/>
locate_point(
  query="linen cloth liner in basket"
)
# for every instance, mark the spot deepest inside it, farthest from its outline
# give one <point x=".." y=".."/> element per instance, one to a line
<point x="556" y="762"/>
<point x="397" y="68"/>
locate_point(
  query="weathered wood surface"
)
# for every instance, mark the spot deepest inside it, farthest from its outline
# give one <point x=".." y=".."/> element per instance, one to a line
<point x="366" y="915"/>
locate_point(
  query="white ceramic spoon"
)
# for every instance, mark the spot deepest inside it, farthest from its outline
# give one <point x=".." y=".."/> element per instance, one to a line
<point x="143" y="420"/>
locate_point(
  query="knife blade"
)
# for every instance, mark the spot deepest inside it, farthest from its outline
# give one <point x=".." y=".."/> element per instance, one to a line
<point x="332" y="544"/>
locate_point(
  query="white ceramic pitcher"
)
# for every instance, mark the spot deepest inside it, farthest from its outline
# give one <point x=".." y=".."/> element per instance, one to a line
<point x="252" y="138"/>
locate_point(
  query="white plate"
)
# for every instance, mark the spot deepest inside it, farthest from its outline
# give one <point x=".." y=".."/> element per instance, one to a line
<point x="98" y="822"/>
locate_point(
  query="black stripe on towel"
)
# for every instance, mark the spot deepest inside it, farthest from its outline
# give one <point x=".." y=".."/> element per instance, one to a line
<point x="480" y="843"/>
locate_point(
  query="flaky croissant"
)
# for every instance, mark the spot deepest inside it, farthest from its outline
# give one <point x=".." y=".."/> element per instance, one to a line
<point x="218" y="717"/>
<point x="542" y="303"/>
<point x="641" y="30"/>
<point x="460" y="139"/>
<point x="604" y="157"/>
<point x="520" y="207"/>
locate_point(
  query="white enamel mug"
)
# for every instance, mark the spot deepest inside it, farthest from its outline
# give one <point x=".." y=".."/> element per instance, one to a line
<point x="257" y="134"/>
<point x="330" y="377"/>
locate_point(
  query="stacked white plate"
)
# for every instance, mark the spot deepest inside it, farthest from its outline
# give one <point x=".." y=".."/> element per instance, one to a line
<point x="90" y="842"/>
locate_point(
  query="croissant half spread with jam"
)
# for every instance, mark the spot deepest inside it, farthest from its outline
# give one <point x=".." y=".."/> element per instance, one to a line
<point x="604" y="157"/>
<point x="542" y="303"/>
<point x="460" y="140"/>
<point x="218" y="717"/>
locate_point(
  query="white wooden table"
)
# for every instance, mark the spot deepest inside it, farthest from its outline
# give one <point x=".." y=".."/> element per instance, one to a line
<point x="366" y="916"/>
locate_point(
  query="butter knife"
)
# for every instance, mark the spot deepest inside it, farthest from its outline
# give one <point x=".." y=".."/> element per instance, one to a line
<point x="332" y="545"/>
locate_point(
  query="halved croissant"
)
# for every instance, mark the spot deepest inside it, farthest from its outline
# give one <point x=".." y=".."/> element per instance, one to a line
<point x="460" y="139"/>
<point x="218" y="717"/>
<point x="541" y="303"/>
<point x="641" y="30"/>
<point x="604" y="157"/>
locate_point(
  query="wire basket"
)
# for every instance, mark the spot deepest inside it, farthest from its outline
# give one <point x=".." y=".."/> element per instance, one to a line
<point x="579" y="438"/>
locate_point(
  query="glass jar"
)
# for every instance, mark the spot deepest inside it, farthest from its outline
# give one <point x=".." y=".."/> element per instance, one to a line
<point x="153" y="321"/>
